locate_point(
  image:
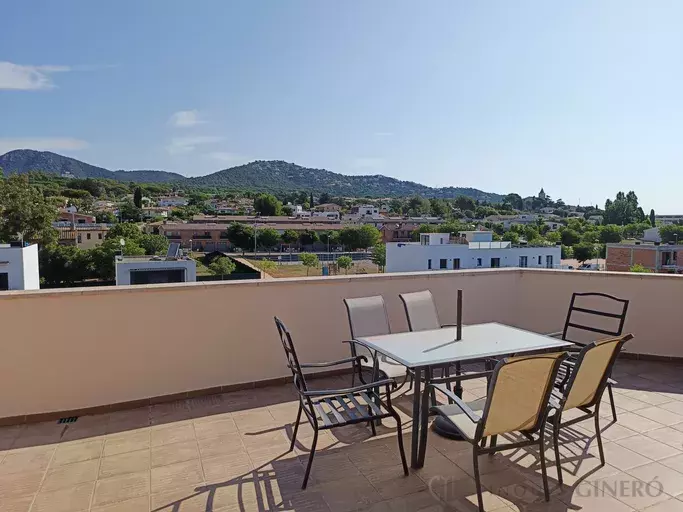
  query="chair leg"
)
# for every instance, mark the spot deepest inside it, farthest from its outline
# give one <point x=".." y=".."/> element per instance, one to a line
<point x="477" y="481"/>
<point x="611" y="401"/>
<point x="556" y="442"/>
<point x="399" y="433"/>
<point x="494" y="440"/>
<point x="598" y="435"/>
<point x="544" y="471"/>
<point x="310" y="459"/>
<point x="372" y="423"/>
<point x="296" y="428"/>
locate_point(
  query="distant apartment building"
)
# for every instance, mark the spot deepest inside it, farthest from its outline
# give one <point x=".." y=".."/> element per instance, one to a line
<point x="656" y="257"/>
<point x="364" y="212"/>
<point x="150" y="212"/>
<point x="70" y="215"/>
<point x="172" y="201"/>
<point x="508" y="221"/>
<point x="19" y="267"/>
<point x="83" y="236"/>
<point x="666" y="220"/>
<point x="472" y="250"/>
<point x="328" y="207"/>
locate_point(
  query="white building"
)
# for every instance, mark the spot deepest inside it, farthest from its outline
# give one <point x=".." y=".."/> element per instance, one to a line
<point x="364" y="212"/>
<point x="154" y="270"/>
<point x="666" y="220"/>
<point x="435" y="252"/>
<point x="19" y="267"/>
<point x="511" y="220"/>
<point x="651" y="235"/>
<point x="172" y="201"/>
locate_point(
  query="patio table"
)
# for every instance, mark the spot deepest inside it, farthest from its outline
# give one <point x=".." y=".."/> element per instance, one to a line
<point x="424" y="351"/>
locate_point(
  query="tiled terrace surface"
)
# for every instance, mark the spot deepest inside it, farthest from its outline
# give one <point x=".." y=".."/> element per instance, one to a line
<point x="229" y="452"/>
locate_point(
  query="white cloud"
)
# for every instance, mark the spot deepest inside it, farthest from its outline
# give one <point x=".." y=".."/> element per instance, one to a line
<point x="185" y="119"/>
<point x="27" y="78"/>
<point x="181" y="145"/>
<point x="368" y="163"/>
<point x="42" y="144"/>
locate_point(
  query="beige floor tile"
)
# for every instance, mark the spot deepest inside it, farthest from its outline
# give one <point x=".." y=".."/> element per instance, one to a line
<point x="124" y="421"/>
<point x="170" y="412"/>
<point x="649" y="397"/>
<point x="628" y="490"/>
<point x="174" y="476"/>
<point x="174" y="453"/>
<point x="667" y="480"/>
<point x="221" y="445"/>
<point x="674" y="406"/>
<point x="620" y="457"/>
<point x="588" y="498"/>
<point x="626" y="403"/>
<point x="670" y="505"/>
<point x="71" y="499"/>
<point x="78" y="452"/>
<point x="667" y="435"/>
<point x="675" y="462"/>
<point x="213" y="426"/>
<point x="127" y="442"/>
<point x="254" y="420"/>
<point x="191" y="500"/>
<point x="274" y="440"/>
<point x="172" y="433"/>
<point x="660" y="415"/>
<point x="140" y="504"/>
<point x="70" y="475"/>
<point x="638" y="423"/>
<point x="27" y="459"/>
<point x="648" y="447"/>
<point x="18" y="504"/>
<point x="610" y="432"/>
<point x="225" y="468"/>
<point x="124" y="463"/>
<point x="349" y="494"/>
<point x="121" y="488"/>
<point x="20" y="484"/>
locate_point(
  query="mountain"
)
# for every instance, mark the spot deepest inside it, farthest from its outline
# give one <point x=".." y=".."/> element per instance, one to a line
<point x="272" y="176"/>
<point x="24" y="160"/>
<point x="276" y="176"/>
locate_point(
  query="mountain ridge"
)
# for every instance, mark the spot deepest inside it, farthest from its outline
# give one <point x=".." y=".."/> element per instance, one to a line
<point x="259" y="175"/>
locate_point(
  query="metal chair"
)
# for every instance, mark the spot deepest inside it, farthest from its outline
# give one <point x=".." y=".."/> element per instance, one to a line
<point x="581" y="318"/>
<point x="517" y="401"/>
<point x="422" y="315"/>
<point x="368" y="317"/>
<point x="587" y="382"/>
<point x="331" y="408"/>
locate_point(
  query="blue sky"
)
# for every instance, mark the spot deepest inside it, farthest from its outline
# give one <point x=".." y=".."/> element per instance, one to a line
<point x="584" y="98"/>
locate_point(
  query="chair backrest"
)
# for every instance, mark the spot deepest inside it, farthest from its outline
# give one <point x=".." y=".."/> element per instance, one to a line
<point x="367" y="316"/>
<point x="595" y="312"/>
<point x="591" y="372"/>
<point x="420" y="310"/>
<point x="518" y="394"/>
<point x="290" y="354"/>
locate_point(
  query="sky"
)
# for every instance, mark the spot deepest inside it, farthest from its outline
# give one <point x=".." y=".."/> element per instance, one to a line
<point x="582" y="98"/>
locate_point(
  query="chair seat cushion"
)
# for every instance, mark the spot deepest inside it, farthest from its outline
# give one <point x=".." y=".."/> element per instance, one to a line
<point x="459" y="419"/>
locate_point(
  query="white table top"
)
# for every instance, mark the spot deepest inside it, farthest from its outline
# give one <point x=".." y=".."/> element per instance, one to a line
<point x="428" y="348"/>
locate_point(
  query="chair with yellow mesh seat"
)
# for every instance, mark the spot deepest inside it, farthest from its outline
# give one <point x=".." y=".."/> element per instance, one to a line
<point x="588" y="379"/>
<point x="517" y="401"/>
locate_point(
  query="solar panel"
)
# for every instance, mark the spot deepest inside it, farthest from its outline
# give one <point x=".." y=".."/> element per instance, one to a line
<point x="173" y="249"/>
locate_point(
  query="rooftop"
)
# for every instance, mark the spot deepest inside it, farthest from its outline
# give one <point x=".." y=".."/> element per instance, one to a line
<point x="182" y="401"/>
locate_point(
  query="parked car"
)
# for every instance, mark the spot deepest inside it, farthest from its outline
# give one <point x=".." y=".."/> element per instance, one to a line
<point x="588" y="266"/>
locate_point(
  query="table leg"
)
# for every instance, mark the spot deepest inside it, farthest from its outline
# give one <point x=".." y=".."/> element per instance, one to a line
<point x="416" y="418"/>
<point x="424" y="419"/>
<point x="458" y="383"/>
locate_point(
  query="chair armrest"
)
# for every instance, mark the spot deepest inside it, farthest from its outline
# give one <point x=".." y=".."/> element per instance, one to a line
<point x="333" y="363"/>
<point x="557" y="334"/>
<point x="364" y="387"/>
<point x="448" y="325"/>
<point x="459" y="402"/>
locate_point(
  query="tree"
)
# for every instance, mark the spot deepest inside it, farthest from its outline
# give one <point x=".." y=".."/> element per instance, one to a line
<point x="267" y="204"/>
<point x="368" y="236"/>
<point x="265" y="265"/>
<point x="311" y="202"/>
<point x="290" y="236"/>
<point x="553" y="237"/>
<point x="106" y="217"/>
<point x="286" y="210"/>
<point x="25" y="212"/>
<point x="419" y="205"/>
<point x="308" y="237"/>
<point x="511" y="236"/>
<point x="137" y="197"/>
<point x="345" y="262"/>
<point x="569" y="237"/>
<point x="439" y="207"/>
<point x="222" y="266"/>
<point x="64" y="265"/>
<point x="423" y="228"/>
<point x="153" y="244"/>
<point x="465" y="203"/>
<point x="514" y="200"/>
<point x="583" y="252"/>
<point x="623" y="210"/>
<point x="309" y="260"/>
<point x="349" y="238"/>
<point x="671" y="233"/>
<point x="125" y="230"/>
<point x="652" y="218"/>
<point x="324" y="198"/>
<point x="329" y="238"/>
<point x="129" y="212"/>
<point x="379" y="256"/>
<point x="240" y="235"/>
<point x="267" y="237"/>
<point x="610" y="234"/>
<point x="640" y="269"/>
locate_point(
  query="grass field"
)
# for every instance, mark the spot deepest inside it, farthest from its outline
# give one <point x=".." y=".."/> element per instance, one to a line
<point x="360" y="267"/>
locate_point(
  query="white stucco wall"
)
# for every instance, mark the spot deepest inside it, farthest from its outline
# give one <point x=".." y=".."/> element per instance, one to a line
<point x="21" y="266"/>
<point x="404" y="257"/>
<point x="124" y="268"/>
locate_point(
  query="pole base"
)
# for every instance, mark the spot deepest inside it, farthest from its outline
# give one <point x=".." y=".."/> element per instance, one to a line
<point x="442" y="427"/>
